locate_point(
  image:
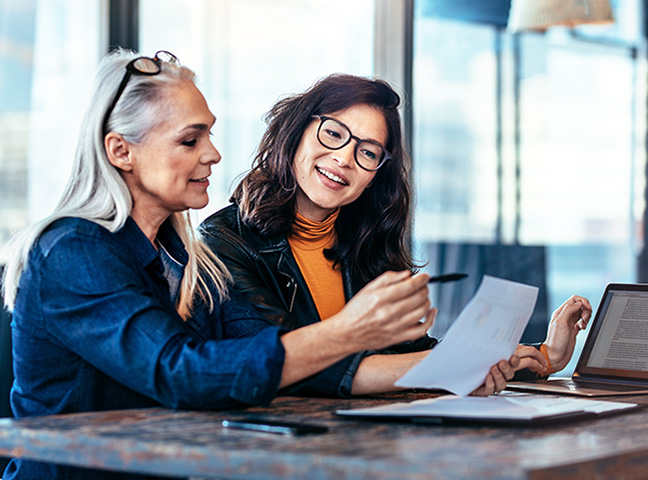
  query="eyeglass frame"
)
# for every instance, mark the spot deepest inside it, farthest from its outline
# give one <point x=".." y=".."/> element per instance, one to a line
<point x="131" y="69"/>
<point x="386" y="153"/>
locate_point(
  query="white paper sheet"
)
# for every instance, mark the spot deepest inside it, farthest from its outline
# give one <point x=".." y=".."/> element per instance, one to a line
<point x="487" y="330"/>
<point x="498" y="407"/>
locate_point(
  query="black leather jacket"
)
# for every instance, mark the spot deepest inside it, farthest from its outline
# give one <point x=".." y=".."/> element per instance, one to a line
<point x="266" y="272"/>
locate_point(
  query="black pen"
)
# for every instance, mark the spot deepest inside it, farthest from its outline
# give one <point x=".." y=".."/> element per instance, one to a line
<point x="448" y="277"/>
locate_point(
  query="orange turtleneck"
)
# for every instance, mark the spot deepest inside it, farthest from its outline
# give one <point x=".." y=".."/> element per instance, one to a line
<point x="308" y="241"/>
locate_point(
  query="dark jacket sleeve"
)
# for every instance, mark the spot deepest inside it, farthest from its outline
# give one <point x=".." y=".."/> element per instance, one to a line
<point x="270" y="292"/>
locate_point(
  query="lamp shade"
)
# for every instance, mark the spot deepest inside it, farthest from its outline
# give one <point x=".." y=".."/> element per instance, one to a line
<point x="542" y="14"/>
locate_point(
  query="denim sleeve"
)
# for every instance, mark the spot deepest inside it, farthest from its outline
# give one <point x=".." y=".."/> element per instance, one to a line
<point x="335" y="380"/>
<point x="100" y="306"/>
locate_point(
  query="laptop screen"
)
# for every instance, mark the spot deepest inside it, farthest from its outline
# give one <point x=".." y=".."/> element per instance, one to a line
<point x="617" y="346"/>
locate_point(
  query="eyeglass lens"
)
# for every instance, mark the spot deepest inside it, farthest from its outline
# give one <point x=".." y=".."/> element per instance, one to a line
<point x="166" y="57"/>
<point x="335" y="136"/>
<point x="151" y="66"/>
<point x="142" y="66"/>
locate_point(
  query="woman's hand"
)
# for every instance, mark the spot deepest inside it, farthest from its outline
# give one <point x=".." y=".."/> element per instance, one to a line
<point x="525" y="356"/>
<point x="569" y="319"/>
<point x="531" y="358"/>
<point x="393" y="308"/>
<point x="497" y="376"/>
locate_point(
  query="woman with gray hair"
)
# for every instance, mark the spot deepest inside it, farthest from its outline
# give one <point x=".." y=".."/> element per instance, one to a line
<point x="117" y="304"/>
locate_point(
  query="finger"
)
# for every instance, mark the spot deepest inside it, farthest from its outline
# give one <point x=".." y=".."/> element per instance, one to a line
<point x="527" y="352"/>
<point x="583" y="300"/>
<point x="478" y="392"/>
<point x="388" y="303"/>
<point x="415" y="284"/>
<point x="498" y="378"/>
<point x="568" y="306"/>
<point x="420" y="329"/>
<point x="573" y="311"/>
<point x="570" y="301"/>
<point x="582" y="317"/>
<point x="407" y="309"/>
<point x="430" y="316"/>
<point x="389" y="278"/>
<point x="396" y="287"/>
<point x="532" y="364"/>
<point x="417" y="281"/>
<point x="489" y="385"/>
<point x="505" y="369"/>
<point x="586" y="307"/>
<point x="577" y="299"/>
<point x="514" y="360"/>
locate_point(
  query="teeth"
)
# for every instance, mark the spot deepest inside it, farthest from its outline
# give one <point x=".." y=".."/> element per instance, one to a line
<point x="330" y="176"/>
<point x="199" y="179"/>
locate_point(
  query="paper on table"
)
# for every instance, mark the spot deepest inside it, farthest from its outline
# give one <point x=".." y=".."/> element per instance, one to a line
<point x="526" y="407"/>
<point x="487" y="330"/>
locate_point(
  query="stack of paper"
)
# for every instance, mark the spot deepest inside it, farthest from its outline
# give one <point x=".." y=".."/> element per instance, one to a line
<point x="502" y="408"/>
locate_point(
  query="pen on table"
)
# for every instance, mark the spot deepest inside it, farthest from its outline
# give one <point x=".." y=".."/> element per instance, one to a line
<point x="448" y="277"/>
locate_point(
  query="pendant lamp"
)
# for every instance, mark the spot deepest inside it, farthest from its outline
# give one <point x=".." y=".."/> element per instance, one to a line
<point x="538" y="15"/>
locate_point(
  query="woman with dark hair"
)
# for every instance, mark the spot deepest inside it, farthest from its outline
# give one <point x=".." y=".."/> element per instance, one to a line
<point x="323" y="212"/>
<point x="371" y="229"/>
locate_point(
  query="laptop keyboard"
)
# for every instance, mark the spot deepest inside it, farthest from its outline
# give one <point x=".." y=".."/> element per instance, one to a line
<point x="598" y="385"/>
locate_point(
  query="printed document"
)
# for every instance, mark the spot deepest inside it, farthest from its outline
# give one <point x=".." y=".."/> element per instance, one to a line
<point x="487" y="330"/>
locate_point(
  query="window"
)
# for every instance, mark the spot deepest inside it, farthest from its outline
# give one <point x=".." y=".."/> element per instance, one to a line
<point x="530" y="141"/>
<point x="48" y="54"/>
<point x="248" y="54"/>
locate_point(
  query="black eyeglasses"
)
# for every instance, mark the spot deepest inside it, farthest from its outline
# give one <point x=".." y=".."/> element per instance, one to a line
<point x="139" y="66"/>
<point x="334" y="135"/>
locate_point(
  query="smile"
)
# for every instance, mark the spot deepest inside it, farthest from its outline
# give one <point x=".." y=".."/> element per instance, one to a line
<point x="204" y="179"/>
<point x="330" y="176"/>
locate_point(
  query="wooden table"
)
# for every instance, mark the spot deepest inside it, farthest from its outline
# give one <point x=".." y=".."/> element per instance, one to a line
<point x="194" y="444"/>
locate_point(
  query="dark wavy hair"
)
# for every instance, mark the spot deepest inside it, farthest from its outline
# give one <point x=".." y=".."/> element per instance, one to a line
<point x="371" y="230"/>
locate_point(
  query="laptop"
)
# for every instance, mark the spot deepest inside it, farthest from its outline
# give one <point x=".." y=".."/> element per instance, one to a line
<point x="614" y="359"/>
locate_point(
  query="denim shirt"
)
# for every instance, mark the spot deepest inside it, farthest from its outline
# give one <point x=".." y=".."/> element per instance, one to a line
<point x="94" y="328"/>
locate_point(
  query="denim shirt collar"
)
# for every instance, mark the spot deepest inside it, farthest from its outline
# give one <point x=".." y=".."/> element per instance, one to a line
<point x="144" y="250"/>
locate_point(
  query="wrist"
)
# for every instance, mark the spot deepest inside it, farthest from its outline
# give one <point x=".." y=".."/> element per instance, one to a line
<point x="338" y="331"/>
<point x="549" y="369"/>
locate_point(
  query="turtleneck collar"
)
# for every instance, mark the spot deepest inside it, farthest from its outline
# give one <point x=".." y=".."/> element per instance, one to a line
<point x="311" y="235"/>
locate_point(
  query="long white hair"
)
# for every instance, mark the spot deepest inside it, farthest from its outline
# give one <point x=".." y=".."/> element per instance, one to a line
<point x="96" y="191"/>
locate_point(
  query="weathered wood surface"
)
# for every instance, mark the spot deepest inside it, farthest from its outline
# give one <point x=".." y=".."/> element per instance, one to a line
<point x="192" y="443"/>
